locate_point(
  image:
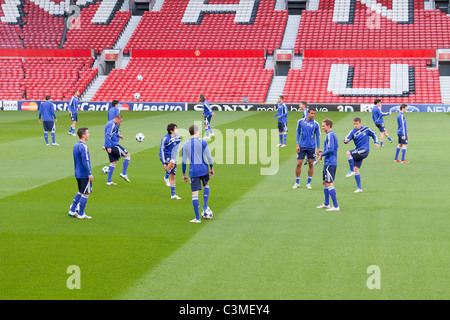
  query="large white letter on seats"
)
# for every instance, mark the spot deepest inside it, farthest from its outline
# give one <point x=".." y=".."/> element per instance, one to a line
<point x="339" y="74"/>
<point x="245" y="11"/>
<point x="11" y="11"/>
<point x="401" y="12"/>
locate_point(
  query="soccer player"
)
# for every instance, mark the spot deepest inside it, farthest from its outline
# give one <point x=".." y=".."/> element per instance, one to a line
<point x="83" y="174"/>
<point x="197" y="151"/>
<point x="47" y="113"/>
<point x="308" y="137"/>
<point x="168" y="156"/>
<point x="115" y="151"/>
<point x="330" y="148"/>
<point x="304" y="107"/>
<point x="73" y="112"/>
<point x="114" y="110"/>
<point x="361" y="137"/>
<point x="207" y="115"/>
<point x="402" y="134"/>
<point x="377" y="117"/>
<point x="282" y="120"/>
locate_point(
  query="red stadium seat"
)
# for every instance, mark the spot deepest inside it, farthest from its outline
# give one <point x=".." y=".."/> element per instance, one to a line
<point x="174" y="79"/>
<point x="428" y="29"/>
<point x="96" y="36"/>
<point x="165" y="29"/>
<point x="311" y="83"/>
<point x="34" y="78"/>
<point x="11" y="79"/>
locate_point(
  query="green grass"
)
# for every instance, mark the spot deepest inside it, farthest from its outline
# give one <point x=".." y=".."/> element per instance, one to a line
<point x="266" y="240"/>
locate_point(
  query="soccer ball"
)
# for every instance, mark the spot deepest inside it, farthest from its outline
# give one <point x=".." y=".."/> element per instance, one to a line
<point x="137" y="96"/>
<point x="207" y="214"/>
<point x="140" y="137"/>
<point x="77" y="209"/>
<point x="139" y="77"/>
<point x="105" y="170"/>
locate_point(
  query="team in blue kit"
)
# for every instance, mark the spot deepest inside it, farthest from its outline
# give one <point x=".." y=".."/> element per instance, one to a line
<point x="195" y="151"/>
<point x="48" y="117"/>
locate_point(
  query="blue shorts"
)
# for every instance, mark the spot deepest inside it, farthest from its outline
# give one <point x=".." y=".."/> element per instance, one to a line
<point x="282" y="127"/>
<point x="84" y="186"/>
<point x="49" y="126"/>
<point x="402" y="141"/>
<point x="329" y="171"/>
<point x="196" y="182"/>
<point x="381" y="127"/>
<point x="358" y="156"/>
<point x="117" y="152"/>
<point x="207" y="120"/>
<point x="74" y="116"/>
<point x="309" y="152"/>
<point x="174" y="170"/>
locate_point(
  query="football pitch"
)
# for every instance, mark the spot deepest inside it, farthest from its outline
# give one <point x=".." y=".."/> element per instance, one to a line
<point x="266" y="240"/>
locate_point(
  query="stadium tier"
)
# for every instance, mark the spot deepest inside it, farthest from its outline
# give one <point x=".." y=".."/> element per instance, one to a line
<point x="33" y="24"/>
<point x="99" y="26"/>
<point x="59" y="77"/>
<point x="346" y="24"/>
<point x="33" y="78"/>
<point x="11" y="79"/>
<point x="179" y="26"/>
<point x="183" y="79"/>
<point x="369" y="26"/>
<point x="340" y="80"/>
<point x="42" y="27"/>
<point x="10" y="34"/>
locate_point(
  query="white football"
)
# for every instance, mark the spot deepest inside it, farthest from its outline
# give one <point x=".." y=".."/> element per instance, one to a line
<point x="140" y="137"/>
<point x="105" y="170"/>
<point x="137" y="96"/>
<point x="207" y="214"/>
<point x="139" y="77"/>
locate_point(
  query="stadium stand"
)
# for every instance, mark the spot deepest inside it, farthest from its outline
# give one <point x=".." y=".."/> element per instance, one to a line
<point x="183" y="79"/>
<point x="12" y="85"/>
<point x="176" y="27"/>
<point x="10" y="34"/>
<point x="43" y="24"/>
<point x="99" y="28"/>
<point x="33" y="78"/>
<point x="57" y="77"/>
<point x="359" y="80"/>
<point x="39" y="24"/>
<point x="339" y="26"/>
<point x="371" y="25"/>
